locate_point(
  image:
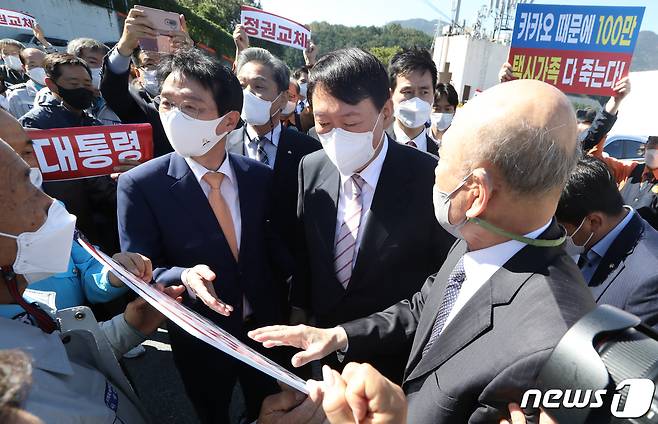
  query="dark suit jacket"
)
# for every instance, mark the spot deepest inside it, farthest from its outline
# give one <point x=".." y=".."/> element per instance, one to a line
<point x="133" y="105"/>
<point x="293" y="146"/>
<point x="495" y="346"/>
<point x="627" y="276"/>
<point x="402" y="243"/>
<point x="164" y="214"/>
<point x="432" y="147"/>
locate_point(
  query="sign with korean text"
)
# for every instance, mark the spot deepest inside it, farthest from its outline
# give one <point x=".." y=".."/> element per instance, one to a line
<point x="82" y="152"/>
<point x="578" y="49"/>
<point x="277" y="29"/>
<point x="11" y="19"/>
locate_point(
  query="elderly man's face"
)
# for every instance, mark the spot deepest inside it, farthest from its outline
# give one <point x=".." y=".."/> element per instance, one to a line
<point x="24" y="207"/>
<point x="33" y="58"/>
<point x="93" y="57"/>
<point x="259" y="79"/>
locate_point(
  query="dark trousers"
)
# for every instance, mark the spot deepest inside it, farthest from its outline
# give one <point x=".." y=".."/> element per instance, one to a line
<point x="209" y="376"/>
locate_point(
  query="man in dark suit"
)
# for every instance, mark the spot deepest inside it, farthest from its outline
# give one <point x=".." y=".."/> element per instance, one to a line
<point x="395" y="237"/>
<point x="615" y="248"/>
<point x="265" y="80"/>
<point x="483" y="326"/>
<point x="200" y="205"/>
<point x="412" y="77"/>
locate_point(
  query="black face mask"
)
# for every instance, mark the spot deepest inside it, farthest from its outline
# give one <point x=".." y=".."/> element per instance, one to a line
<point x="78" y="98"/>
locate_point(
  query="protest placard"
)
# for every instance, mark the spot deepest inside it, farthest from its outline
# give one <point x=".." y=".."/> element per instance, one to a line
<point x="12" y="19"/>
<point x="277" y="29"/>
<point x="195" y="324"/>
<point x="82" y="152"/>
<point x="579" y="49"/>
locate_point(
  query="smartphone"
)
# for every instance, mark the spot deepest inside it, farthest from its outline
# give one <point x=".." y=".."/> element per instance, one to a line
<point x="164" y="23"/>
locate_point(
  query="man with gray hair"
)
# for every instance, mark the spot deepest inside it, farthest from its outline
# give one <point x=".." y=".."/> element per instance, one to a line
<point x="265" y="80"/>
<point x="483" y="326"/>
<point x="11" y="70"/>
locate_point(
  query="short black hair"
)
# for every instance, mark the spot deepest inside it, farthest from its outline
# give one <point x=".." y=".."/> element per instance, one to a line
<point x="351" y="75"/>
<point x="53" y="62"/>
<point x="447" y="91"/>
<point x="409" y="60"/>
<point x="652" y="141"/>
<point x="207" y="71"/>
<point x="591" y="187"/>
<point x="586" y="116"/>
<point x="297" y="74"/>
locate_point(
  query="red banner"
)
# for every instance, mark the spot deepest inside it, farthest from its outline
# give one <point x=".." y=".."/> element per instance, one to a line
<point x="83" y="152"/>
<point x="12" y="19"/>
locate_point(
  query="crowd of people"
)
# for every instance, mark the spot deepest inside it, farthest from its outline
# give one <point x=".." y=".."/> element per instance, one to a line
<point x="414" y="257"/>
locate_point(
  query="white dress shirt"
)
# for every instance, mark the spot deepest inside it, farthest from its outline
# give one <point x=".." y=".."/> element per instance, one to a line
<point x="270" y="148"/>
<point x="229" y="189"/>
<point x="370" y="177"/>
<point x="402" y="138"/>
<point x="481" y="265"/>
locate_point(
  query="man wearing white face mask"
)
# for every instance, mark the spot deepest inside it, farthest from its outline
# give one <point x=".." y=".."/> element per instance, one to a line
<point x="616" y="250"/>
<point x="367" y="227"/>
<point x="202" y="205"/>
<point x="11" y="71"/>
<point x="265" y="80"/>
<point x="21" y="96"/>
<point x="412" y="75"/>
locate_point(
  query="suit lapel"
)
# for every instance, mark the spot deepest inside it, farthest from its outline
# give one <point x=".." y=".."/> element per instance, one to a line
<point x="283" y="151"/>
<point x="432" y="147"/>
<point x="245" y="186"/>
<point x="612" y="263"/>
<point x="324" y="207"/>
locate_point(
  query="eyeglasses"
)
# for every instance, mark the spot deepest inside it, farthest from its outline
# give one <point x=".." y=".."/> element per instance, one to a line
<point x="189" y="110"/>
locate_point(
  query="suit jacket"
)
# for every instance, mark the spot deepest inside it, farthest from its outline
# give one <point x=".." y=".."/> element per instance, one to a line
<point x="493" y="349"/>
<point x="293" y="146"/>
<point x="164" y="214"/>
<point x="401" y="245"/>
<point x="627" y="276"/>
<point x="432" y="147"/>
<point x="133" y="105"/>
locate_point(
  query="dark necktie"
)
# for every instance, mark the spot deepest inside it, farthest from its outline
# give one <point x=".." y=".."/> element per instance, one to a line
<point x="455" y="282"/>
<point x="412" y="144"/>
<point x="261" y="154"/>
<point x="44" y="321"/>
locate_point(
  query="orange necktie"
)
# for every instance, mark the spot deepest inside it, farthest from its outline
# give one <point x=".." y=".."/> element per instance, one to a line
<point x="221" y="210"/>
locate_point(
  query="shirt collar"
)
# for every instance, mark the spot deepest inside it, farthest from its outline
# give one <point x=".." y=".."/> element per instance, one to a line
<point x="371" y="172"/>
<point x="199" y="170"/>
<point x="402" y="138"/>
<point x="273" y="136"/>
<point x="601" y="248"/>
<point x="483" y="263"/>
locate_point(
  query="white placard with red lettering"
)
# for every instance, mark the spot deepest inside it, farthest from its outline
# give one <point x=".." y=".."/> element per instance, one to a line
<point x="12" y="19"/>
<point x="277" y="29"/>
<point x="195" y="324"/>
<point x="83" y="152"/>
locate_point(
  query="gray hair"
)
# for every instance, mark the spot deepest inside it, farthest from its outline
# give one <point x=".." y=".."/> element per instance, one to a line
<point x="11" y="42"/>
<point x="532" y="160"/>
<point x="279" y="69"/>
<point x="76" y="46"/>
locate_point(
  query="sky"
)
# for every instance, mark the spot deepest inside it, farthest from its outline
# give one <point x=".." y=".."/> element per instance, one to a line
<point x="380" y="12"/>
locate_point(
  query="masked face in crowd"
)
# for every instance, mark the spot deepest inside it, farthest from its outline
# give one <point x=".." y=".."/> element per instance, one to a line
<point x="190" y="117"/>
<point x="303" y="85"/>
<point x="651" y="156"/>
<point x="73" y="86"/>
<point x="94" y="58"/>
<point x="33" y="66"/>
<point x="11" y="59"/>
<point x="293" y="99"/>
<point x="351" y="135"/>
<point x="413" y="97"/>
<point x="442" y="114"/>
<point x="262" y="100"/>
<point x="147" y="72"/>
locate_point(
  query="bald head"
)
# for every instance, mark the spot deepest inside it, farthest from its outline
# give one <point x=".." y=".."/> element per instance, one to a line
<point x="13" y="134"/>
<point x="32" y="58"/>
<point x="526" y="129"/>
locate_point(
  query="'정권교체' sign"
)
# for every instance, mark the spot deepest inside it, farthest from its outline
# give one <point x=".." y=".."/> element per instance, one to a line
<point x="578" y="49"/>
<point x="11" y="19"/>
<point x="277" y="29"/>
<point x="82" y="152"/>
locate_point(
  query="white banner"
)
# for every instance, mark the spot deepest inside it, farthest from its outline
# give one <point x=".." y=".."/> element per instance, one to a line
<point x="195" y="324"/>
<point x="9" y="18"/>
<point x="277" y="29"/>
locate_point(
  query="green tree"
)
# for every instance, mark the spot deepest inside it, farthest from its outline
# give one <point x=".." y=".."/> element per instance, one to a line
<point x="384" y="54"/>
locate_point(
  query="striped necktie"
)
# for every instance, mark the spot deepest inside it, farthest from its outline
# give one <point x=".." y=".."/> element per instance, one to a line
<point x="345" y="248"/>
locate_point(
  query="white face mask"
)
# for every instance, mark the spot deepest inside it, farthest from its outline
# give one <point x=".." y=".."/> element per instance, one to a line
<point x="441" y="121"/>
<point x="256" y="111"/>
<point x="442" y="200"/>
<point x="290" y="108"/>
<point x="96" y="77"/>
<point x="651" y="158"/>
<point x="303" y="89"/>
<point x="37" y="75"/>
<point x="13" y="62"/>
<point x="151" y="84"/>
<point x="36" y="178"/>
<point x="413" y="113"/>
<point x="188" y="136"/>
<point x="349" y="151"/>
<point x="47" y="251"/>
<point x="573" y="249"/>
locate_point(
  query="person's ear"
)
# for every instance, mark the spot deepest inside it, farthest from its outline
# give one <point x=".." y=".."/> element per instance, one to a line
<point x="51" y="86"/>
<point x="387" y="113"/>
<point x="229" y="123"/>
<point x="593" y="223"/>
<point x="479" y="191"/>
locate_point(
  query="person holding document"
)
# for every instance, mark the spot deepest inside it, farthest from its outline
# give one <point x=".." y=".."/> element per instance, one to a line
<point x="483" y="326"/>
